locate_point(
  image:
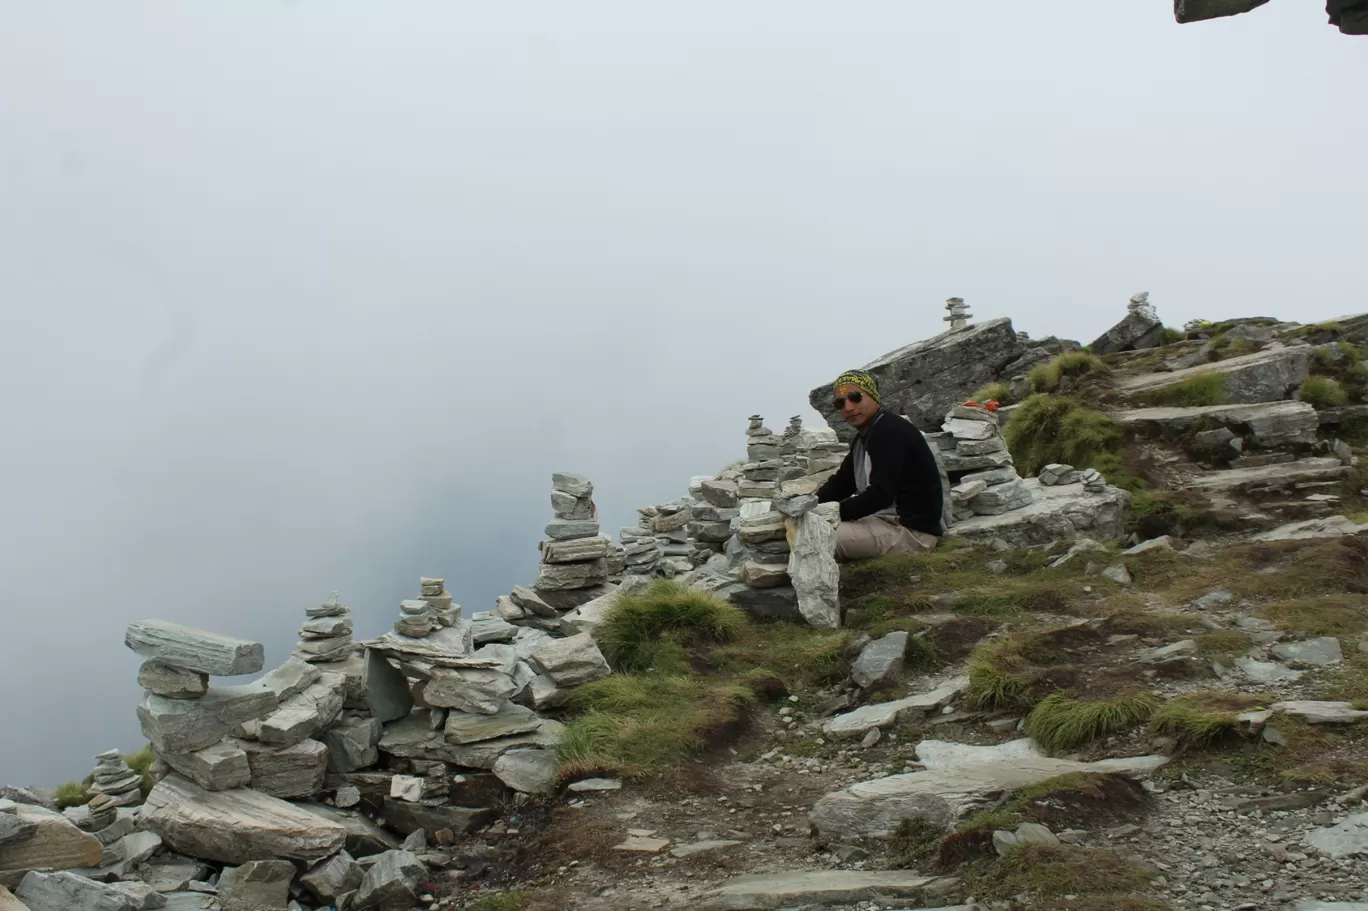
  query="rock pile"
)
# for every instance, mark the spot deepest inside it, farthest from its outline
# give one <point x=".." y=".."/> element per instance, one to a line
<point x="327" y="633"/>
<point x="1139" y="329"/>
<point x="115" y="780"/>
<point x="574" y="555"/>
<point x="983" y="480"/>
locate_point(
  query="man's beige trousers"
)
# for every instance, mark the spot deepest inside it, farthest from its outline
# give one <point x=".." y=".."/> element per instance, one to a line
<point x="877" y="536"/>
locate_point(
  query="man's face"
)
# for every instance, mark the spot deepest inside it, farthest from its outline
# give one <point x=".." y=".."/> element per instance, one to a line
<point x="856" y="407"/>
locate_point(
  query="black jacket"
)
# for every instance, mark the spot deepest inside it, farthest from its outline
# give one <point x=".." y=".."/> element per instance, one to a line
<point x="904" y="475"/>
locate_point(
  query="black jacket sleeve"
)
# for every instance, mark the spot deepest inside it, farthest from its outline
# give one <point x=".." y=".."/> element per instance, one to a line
<point x="842" y="483"/>
<point x="887" y="455"/>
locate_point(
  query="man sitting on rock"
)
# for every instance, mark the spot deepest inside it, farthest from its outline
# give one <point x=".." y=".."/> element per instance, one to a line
<point x="889" y="486"/>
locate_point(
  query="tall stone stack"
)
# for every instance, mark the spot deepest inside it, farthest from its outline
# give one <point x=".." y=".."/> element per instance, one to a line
<point x="416" y="619"/>
<point x="716" y="514"/>
<point x="760" y="474"/>
<point x="670" y="525"/>
<point x="574" y="556"/>
<point x="434" y="592"/>
<point x="980" y="474"/>
<point x="327" y="632"/>
<point x="761" y="534"/>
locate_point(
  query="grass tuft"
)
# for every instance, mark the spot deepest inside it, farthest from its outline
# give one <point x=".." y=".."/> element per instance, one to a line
<point x="1047" y="428"/>
<point x="72" y="794"/>
<point x="1050" y="377"/>
<point x="1060" y="723"/>
<point x="652" y="628"/>
<point x="997" y="679"/>
<point x="994" y="392"/>
<point x="1198" y="719"/>
<point x="635" y="725"/>
<point x="141" y="762"/>
<point x="1323" y="392"/>
<point x="1205" y="387"/>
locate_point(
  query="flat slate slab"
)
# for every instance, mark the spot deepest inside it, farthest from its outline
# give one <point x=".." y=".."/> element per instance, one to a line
<point x="1317" y="469"/>
<point x="874" y="809"/>
<point x="1270" y="423"/>
<point x="1264" y="376"/>
<point x="887" y="714"/>
<point x="758" y="892"/>
<point x="195" y="649"/>
<point x="1061" y="512"/>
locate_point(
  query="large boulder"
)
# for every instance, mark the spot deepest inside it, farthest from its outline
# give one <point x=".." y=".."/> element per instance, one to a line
<point x="1265" y="376"/>
<point x="258" y="885"/>
<point x="1140" y="328"/>
<point x="925" y="379"/>
<point x="939" y="794"/>
<point x="220" y="767"/>
<point x="1056" y="513"/>
<point x="297" y="770"/>
<point x="52" y="843"/>
<point x="1267" y="425"/>
<point x="233" y="827"/>
<point x="69" y="892"/>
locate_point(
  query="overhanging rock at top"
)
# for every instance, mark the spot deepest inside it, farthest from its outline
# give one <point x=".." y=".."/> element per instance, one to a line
<point x="925" y="379"/>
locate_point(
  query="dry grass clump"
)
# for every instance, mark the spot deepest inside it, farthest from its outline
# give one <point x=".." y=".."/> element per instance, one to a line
<point x="655" y="627"/>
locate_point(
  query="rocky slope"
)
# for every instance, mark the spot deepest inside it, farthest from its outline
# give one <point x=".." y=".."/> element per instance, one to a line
<point x="1141" y="694"/>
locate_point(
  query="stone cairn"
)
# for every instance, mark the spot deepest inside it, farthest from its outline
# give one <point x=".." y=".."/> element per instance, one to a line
<point x="959" y="313"/>
<point x="430" y="611"/>
<point x="983" y="480"/>
<point x="327" y="632"/>
<point x="114" y="779"/>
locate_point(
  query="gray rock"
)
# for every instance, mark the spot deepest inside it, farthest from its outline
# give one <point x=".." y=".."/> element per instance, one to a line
<point x="559" y="577"/>
<point x="1218" y="597"/>
<point x="387" y="692"/>
<point x="220" y="767"/>
<point x="174" y="682"/>
<point x="587" y="785"/>
<point x="194" y="649"/>
<point x="363" y="837"/>
<point x="567" y="506"/>
<point x="478" y="690"/>
<point x="1269" y="425"/>
<point x="294" y="771"/>
<point x="407" y="818"/>
<point x="814" y="888"/>
<point x="875" y="809"/>
<point x="1320" y="712"/>
<point x="886" y="714"/>
<point x="290" y="679"/>
<point x="719" y="493"/>
<point x="352" y="743"/>
<point x="1266" y="671"/>
<point x="532" y="603"/>
<point x="233" y="827"/>
<point x="1118" y="574"/>
<point x="390" y="884"/>
<point x="305" y="714"/>
<point x="1326" y="527"/>
<point x="12" y="828"/>
<point x="139" y="846"/>
<point x="258" y="885"/>
<point x="492" y="629"/>
<point x="812" y="567"/>
<point x="529" y="771"/>
<point x="1322" y="651"/>
<point x="565" y="529"/>
<point x="1052" y="514"/>
<point x="1265" y="376"/>
<point x="571" y="661"/>
<point x="1003" y="842"/>
<point x="65" y="891"/>
<point x="52" y="842"/>
<point x="330" y="879"/>
<point x="1185" y="648"/>
<point x="1347" y="839"/>
<point x="880" y="662"/>
<point x="1033" y="833"/>
<point x="467" y="727"/>
<point x="573" y="484"/>
<point x="575" y="550"/>
<point x="545" y="694"/>
<point x="1139" y="329"/>
<point x="961" y="361"/>
<point x="186" y="725"/>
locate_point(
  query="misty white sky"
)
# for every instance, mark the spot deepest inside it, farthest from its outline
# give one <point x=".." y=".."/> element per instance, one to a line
<point x="309" y="295"/>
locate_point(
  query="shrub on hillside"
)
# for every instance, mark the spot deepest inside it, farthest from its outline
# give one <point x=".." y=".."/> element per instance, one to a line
<point x="994" y="392"/>
<point x="653" y="627"/>
<point x="1047" y="428"/>
<point x="1323" y="392"/>
<point x="1205" y="387"/>
<point x="72" y="794"/>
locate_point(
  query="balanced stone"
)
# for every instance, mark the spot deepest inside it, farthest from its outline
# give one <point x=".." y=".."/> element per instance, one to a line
<point x="571" y="661"/>
<point x="555" y="577"/>
<point x="293" y="771"/>
<point x="290" y="679"/>
<point x="326" y="627"/>
<point x="194" y="649"/>
<point x="563" y="529"/>
<point x="305" y="714"/>
<point x="220" y="767"/>
<point x="469" y="727"/>
<point x="431" y="586"/>
<point x="478" y="690"/>
<point x="330" y="608"/>
<point x="573" y="484"/>
<point x="174" y="682"/>
<point x="575" y="550"/>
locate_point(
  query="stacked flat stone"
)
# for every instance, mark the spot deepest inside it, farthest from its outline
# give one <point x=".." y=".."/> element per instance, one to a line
<point x="715" y="513"/>
<point x="640" y="550"/>
<point x="113" y="778"/>
<point x="434" y="592"/>
<point x="574" y="556"/>
<point x="416" y="619"/>
<point x="959" y="313"/>
<point x="670" y="525"/>
<point x="327" y="633"/>
<point x="761" y="536"/>
<point x="979" y="471"/>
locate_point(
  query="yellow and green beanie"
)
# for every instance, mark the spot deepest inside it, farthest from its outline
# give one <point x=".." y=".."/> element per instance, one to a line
<point x="860" y="379"/>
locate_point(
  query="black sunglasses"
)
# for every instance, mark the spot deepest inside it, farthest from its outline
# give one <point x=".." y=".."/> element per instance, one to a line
<point x="839" y="402"/>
